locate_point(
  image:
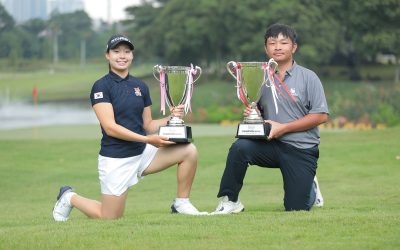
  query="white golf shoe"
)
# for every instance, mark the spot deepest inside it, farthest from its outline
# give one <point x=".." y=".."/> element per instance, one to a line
<point x="63" y="207"/>
<point x="186" y="208"/>
<point x="226" y="206"/>
<point x="319" y="200"/>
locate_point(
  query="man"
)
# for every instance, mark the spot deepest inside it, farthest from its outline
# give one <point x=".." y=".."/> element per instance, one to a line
<point x="292" y="144"/>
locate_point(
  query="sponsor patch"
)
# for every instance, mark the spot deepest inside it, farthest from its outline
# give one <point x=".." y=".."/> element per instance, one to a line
<point x="98" y="95"/>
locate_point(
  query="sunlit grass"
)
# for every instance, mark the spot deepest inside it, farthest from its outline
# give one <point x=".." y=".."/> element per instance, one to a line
<point x="358" y="172"/>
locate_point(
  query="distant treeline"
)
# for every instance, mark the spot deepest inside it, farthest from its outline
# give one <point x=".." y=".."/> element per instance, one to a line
<point x="208" y="32"/>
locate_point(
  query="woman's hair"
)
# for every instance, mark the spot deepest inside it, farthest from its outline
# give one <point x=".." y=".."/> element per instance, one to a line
<point x="275" y="29"/>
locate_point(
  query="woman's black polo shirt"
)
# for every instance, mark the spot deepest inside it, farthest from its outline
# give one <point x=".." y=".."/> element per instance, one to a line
<point x="128" y="96"/>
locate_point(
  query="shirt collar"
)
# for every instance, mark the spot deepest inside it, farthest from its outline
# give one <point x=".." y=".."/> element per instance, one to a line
<point x="294" y="66"/>
<point x="289" y="72"/>
<point x="116" y="77"/>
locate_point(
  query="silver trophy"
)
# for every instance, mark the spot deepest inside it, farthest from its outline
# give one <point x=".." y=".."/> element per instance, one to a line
<point x="176" y="88"/>
<point x="250" y="76"/>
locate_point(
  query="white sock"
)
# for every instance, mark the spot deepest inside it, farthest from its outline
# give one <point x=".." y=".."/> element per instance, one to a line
<point x="68" y="197"/>
<point x="179" y="201"/>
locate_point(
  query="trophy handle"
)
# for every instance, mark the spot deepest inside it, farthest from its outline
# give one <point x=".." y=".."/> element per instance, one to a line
<point x="197" y="76"/>
<point x="156" y="69"/>
<point x="231" y="67"/>
<point x="272" y="64"/>
<point x="191" y="78"/>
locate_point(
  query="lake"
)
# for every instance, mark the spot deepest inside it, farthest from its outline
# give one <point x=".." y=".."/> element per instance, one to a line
<point x="24" y="115"/>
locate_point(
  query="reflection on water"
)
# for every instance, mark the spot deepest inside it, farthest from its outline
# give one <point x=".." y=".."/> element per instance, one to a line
<point x="22" y="115"/>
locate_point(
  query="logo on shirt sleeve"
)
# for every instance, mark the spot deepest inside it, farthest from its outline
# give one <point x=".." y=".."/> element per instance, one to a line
<point x="98" y="95"/>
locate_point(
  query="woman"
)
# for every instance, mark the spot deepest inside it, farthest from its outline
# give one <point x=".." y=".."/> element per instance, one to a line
<point x="129" y="148"/>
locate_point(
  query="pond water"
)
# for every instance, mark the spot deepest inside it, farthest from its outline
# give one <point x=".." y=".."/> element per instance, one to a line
<point x="23" y="115"/>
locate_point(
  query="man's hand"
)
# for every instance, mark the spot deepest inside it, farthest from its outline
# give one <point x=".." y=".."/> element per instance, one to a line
<point x="277" y="129"/>
<point x="247" y="111"/>
<point x="307" y="122"/>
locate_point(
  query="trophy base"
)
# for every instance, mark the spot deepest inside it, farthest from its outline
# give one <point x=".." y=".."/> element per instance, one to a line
<point x="253" y="130"/>
<point x="178" y="134"/>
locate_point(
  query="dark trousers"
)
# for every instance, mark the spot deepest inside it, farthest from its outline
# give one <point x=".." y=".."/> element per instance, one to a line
<point x="298" y="167"/>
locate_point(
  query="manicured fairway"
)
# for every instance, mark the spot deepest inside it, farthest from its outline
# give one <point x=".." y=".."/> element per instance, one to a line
<point x="358" y="172"/>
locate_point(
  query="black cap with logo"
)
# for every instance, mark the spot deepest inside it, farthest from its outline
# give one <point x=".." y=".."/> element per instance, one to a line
<point x="115" y="40"/>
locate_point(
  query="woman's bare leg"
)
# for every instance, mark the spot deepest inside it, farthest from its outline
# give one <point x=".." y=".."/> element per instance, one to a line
<point x="185" y="155"/>
<point x="111" y="207"/>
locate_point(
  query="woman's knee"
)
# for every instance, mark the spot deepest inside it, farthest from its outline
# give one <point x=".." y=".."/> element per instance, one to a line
<point x="190" y="150"/>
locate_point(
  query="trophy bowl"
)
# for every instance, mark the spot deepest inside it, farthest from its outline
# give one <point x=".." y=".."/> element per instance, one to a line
<point x="250" y="76"/>
<point x="176" y="88"/>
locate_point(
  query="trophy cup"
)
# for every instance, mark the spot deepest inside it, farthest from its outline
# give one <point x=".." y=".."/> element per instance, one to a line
<point x="176" y="88"/>
<point x="250" y="76"/>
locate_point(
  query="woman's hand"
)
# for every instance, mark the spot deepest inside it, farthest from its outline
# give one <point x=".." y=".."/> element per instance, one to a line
<point x="158" y="141"/>
<point x="177" y="111"/>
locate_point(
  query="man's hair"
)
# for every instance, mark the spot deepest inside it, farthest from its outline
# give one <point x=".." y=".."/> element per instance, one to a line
<point x="275" y="29"/>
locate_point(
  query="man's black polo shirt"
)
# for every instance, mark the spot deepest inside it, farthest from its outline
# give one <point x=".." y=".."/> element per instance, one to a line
<point x="128" y="96"/>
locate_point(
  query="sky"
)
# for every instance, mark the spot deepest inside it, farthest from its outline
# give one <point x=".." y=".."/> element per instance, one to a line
<point x="97" y="9"/>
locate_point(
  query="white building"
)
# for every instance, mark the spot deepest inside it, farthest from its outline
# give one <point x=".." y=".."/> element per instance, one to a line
<point x="24" y="10"/>
<point x="65" y="6"/>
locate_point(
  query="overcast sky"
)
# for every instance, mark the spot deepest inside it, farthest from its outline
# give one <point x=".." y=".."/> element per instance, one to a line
<point x="98" y="8"/>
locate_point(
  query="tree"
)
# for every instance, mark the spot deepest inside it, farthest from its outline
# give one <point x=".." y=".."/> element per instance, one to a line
<point x="367" y="27"/>
<point x="6" y="21"/>
<point x="140" y="28"/>
<point x="34" y="44"/>
<point x="381" y="29"/>
<point x="72" y="29"/>
<point x="217" y="31"/>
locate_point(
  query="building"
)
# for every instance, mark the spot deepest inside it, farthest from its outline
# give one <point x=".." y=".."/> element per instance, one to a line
<point x="24" y="10"/>
<point x="65" y="6"/>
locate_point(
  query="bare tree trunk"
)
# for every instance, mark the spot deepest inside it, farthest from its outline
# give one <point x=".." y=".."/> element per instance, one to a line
<point x="55" y="48"/>
<point x="83" y="52"/>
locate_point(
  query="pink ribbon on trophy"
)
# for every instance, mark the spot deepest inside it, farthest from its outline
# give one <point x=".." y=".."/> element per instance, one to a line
<point x="269" y="74"/>
<point x="240" y="91"/>
<point x="162" y="89"/>
<point x="192" y="71"/>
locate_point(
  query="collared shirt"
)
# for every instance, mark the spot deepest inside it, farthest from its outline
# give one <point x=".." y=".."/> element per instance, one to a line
<point x="128" y="96"/>
<point x="305" y="86"/>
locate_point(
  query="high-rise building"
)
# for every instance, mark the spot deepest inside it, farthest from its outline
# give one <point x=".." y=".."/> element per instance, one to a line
<point x="65" y="6"/>
<point x="24" y="10"/>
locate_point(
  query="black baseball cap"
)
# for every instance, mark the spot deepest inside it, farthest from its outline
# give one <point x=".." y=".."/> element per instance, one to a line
<point x="115" y="40"/>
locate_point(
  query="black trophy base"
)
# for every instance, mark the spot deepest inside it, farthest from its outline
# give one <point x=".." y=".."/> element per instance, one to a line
<point x="178" y="134"/>
<point x="253" y="130"/>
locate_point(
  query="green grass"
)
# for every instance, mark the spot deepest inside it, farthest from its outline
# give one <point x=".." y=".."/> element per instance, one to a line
<point x="358" y="172"/>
